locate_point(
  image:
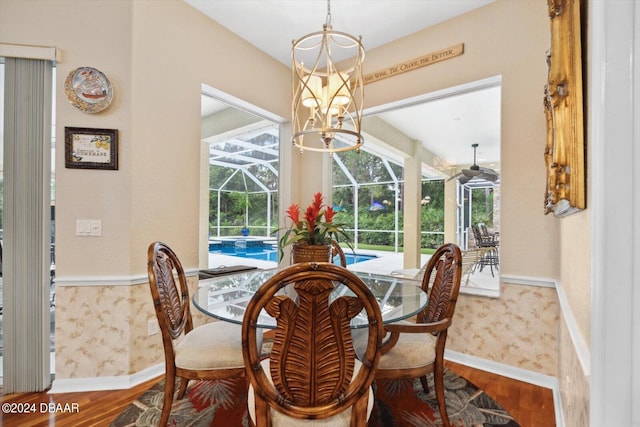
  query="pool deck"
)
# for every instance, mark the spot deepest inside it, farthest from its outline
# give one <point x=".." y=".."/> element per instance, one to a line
<point x="386" y="263"/>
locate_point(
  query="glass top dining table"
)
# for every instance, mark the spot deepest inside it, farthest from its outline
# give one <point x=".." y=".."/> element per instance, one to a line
<point x="226" y="297"/>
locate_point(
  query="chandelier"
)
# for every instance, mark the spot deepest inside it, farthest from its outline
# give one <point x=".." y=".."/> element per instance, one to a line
<point x="327" y="99"/>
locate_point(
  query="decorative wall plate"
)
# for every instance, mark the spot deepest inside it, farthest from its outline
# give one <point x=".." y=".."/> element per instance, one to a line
<point x="88" y="89"/>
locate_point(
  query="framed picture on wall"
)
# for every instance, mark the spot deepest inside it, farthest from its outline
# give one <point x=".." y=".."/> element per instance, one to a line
<point x="565" y="149"/>
<point x="86" y="148"/>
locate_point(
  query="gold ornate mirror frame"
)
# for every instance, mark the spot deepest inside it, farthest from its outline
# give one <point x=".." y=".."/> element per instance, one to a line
<point x="565" y="151"/>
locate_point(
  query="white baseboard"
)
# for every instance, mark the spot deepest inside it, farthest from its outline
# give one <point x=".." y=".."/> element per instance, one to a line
<point x="515" y="373"/>
<point x="68" y="385"/>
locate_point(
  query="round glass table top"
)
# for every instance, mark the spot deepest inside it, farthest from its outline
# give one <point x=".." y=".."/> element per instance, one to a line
<point x="226" y="297"/>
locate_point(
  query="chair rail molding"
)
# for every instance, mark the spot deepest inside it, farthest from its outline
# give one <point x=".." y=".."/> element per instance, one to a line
<point x="580" y="345"/>
<point x="138" y="279"/>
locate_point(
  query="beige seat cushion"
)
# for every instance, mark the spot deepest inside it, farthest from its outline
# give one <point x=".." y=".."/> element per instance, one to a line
<point x="211" y="346"/>
<point x="281" y="420"/>
<point x="411" y="351"/>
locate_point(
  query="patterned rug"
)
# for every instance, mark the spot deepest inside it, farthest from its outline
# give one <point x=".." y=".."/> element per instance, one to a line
<point x="398" y="403"/>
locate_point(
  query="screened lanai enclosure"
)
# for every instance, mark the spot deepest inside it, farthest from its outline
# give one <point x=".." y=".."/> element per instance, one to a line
<point x="243" y="170"/>
<point x="243" y="185"/>
<point x="367" y="186"/>
<point x="367" y="193"/>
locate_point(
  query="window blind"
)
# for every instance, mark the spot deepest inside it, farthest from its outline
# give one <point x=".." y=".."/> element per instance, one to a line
<point x="26" y="223"/>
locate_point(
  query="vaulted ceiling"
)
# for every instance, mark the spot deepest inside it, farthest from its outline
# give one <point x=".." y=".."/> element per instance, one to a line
<point x="446" y="126"/>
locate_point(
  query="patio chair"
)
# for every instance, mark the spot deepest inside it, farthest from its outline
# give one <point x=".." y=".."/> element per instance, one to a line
<point x="312" y="372"/>
<point x="490" y="256"/>
<point x="415" y="349"/>
<point x="481" y="240"/>
<point x="208" y="352"/>
<point x="493" y="237"/>
<point x="472" y="259"/>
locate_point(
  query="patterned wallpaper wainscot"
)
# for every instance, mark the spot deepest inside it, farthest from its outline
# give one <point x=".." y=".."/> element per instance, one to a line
<point x="574" y="385"/>
<point x="519" y="329"/>
<point x="102" y="331"/>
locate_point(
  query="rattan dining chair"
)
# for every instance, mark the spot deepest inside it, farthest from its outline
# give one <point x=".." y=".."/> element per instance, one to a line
<point x="208" y="352"/>
<point x="336" y="251"/>
<point x="312" y="375"/>
<point x="416" y="349"/>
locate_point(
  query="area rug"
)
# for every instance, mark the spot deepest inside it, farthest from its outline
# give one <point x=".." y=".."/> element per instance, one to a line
<point x="223" y="403"/>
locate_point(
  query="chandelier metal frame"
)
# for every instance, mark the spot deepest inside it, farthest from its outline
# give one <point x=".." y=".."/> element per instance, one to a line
<point x="327" y="100"/>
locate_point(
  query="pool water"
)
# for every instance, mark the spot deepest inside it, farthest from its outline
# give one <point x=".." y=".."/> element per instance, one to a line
<point x="267" y="251"/>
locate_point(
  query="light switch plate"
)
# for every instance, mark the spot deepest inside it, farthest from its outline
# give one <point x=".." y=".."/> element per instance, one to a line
<point x="88" y="227"/>
<point x="95" y="227"/>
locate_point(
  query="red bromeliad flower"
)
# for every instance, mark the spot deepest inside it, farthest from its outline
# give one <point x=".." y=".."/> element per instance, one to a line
<point x="317" y="202"/>
<point x="316" y="227"/>
<point x="328" y="214"/>
<point x="294" y="214"/>
<point x="310" y="215"/>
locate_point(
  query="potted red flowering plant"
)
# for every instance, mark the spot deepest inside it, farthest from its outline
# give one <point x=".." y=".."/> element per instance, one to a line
<point x="315" y="227"/>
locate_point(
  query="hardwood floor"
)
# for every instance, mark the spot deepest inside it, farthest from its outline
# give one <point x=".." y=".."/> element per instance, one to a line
<point x="530" y="405"/>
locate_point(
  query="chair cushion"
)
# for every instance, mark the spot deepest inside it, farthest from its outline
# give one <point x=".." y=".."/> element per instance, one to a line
<point x="214" y="345"/>
<point x="281" y="420"/>
<point x="411" y="351"/>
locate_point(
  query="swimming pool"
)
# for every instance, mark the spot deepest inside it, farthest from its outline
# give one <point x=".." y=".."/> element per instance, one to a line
<point x="265" y="250"/>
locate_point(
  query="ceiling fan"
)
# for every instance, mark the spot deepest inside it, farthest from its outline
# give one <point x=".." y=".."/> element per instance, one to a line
<point x="476" y="172"/>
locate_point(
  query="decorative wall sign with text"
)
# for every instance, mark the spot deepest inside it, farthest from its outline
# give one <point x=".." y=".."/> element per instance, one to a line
<point x="86" y="148"/>
<point x="414" y="64"/>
